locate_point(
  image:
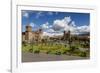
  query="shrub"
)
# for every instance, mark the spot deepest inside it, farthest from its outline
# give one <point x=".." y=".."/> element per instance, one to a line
<point x="48" y="52"/>
<point x="73" y="49"/>
<point x="85" y="45"/>
<point x="31" y="50"/>
<point x="58" y="52"/>
<point x="64" y="52"/>
<point x="24" y="43"/>
<point x="37" y="51"/>
<point x="65" y="45"/>
<point x="83" y="54"/>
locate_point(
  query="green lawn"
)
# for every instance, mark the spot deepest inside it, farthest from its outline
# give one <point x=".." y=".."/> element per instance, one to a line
<point x="56" y="49"/>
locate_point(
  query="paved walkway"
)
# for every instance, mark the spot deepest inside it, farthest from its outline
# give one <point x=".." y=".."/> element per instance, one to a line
<point x="30" y="57"/>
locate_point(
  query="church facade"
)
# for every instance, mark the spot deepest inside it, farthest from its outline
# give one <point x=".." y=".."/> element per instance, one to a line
<point x="30" y="36"/>
<point x="37" y="36"/>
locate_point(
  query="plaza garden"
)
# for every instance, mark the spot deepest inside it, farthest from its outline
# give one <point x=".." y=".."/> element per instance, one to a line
<point x="80" y="49"/>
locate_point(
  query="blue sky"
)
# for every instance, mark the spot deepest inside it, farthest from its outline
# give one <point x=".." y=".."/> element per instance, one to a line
<point x="51" y="20"/>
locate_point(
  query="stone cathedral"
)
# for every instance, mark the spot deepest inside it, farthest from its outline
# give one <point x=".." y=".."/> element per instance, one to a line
<point x="30" y="36"/>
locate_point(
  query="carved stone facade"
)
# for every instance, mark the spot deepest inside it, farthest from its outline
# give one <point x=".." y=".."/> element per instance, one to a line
<point x="30" y="36"/>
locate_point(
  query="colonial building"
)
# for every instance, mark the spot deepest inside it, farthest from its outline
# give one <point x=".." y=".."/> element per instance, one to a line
<point x="31" y="36"/>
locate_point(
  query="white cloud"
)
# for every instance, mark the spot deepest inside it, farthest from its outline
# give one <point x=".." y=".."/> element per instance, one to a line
<point x="39" y="14"/>
<point x="58" y="25"/>
<point x="62" y="24"/>
<point x="45" y="26"/>
<point x="67" y="19"/>
<point x="84" y="28"/>
<point x="80" y="29"/>
<point x="73" y="24"/>
<point x="32" y="24"/>
<point x="52" y="34"/>
<point x="25" y="14"/>
<point x="47" y="34"/>
<point x="50" y="30"/>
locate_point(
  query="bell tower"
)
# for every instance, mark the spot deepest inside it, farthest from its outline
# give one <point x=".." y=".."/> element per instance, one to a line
<point x="28" y="28"/>
<point x="28" y="33"/>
